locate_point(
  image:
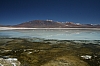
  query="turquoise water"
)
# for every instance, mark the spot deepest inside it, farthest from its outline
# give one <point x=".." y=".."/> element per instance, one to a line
<point x="64" y="34"/>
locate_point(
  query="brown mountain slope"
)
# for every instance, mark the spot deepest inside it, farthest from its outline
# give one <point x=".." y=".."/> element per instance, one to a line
<point x="41" y="24"/>
<point x="53" y="24"/>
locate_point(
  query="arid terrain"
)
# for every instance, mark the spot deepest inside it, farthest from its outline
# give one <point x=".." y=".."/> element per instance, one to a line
<point x="51" y="52"/>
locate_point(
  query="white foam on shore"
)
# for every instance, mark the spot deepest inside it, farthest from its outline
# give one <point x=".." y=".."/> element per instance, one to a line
<point x="11" y="28"/>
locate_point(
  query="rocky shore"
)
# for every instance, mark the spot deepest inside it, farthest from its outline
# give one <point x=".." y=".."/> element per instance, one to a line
<point x="52" y="52"/>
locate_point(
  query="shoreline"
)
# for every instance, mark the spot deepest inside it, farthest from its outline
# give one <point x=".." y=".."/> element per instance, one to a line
<point x="12" y="28"/>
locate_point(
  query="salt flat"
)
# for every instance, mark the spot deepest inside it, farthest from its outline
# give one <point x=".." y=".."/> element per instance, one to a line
<point x="12" y="28"/>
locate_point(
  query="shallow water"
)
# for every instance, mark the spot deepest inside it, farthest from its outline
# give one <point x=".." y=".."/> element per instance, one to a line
<point x="59" y="34"/>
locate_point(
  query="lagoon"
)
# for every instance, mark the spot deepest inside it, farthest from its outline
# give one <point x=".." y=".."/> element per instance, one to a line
<point x="58" y="34"/>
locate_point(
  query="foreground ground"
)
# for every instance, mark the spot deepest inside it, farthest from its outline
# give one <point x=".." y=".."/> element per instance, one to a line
<point x="51" y="52"/>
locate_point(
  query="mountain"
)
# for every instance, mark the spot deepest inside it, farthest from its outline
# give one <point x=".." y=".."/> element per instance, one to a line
<point x="54" y="24"/>
<point x="41" y="24"/>
<point x="5" y="25"/>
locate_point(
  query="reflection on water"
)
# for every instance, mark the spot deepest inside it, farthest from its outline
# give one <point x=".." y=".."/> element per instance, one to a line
<point x="64" y="34"/>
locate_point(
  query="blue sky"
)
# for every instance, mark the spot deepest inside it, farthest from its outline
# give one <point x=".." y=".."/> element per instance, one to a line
<point x="18" y="11"/>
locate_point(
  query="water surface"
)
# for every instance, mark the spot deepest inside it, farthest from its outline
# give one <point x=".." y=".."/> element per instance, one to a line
<point x="59" y="34"/>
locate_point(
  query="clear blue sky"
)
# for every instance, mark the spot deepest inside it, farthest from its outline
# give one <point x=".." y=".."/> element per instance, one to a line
<point x="19" y="11"/>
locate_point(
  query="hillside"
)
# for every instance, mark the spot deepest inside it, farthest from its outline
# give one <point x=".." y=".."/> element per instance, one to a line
<point x="54" y="24"/>
<point x="41" y="24"/>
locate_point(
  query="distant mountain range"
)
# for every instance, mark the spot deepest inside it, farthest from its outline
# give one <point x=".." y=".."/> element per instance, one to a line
<point x="53" y="24"/>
